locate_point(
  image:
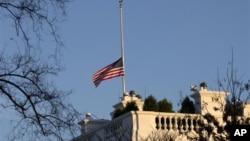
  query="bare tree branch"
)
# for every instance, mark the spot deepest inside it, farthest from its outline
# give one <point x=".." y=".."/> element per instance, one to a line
<point x="31" y="18"/>
<point x="42" y="108"/>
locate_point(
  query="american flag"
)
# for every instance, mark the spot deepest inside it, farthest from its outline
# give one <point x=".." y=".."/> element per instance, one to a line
<point x="110" y="71"/>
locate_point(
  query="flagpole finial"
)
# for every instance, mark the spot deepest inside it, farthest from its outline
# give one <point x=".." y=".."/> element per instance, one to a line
<point x="120" y="1"/>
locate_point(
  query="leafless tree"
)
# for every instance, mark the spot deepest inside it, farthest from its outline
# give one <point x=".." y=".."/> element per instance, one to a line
<point x="43" y="110"/>
<point x="238" y="88"/>
<point x="32" y="20"/>
<point x="26" y="87"/>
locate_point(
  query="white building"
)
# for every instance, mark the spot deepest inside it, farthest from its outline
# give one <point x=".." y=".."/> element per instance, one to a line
<point x="137" y="125"/>
<point x="212" y="102"/>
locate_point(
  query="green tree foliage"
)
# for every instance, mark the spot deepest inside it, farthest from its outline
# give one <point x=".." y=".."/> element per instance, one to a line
<point x="187" y="106"/>
<point x="150" y="104"/>
<point x="130" y="106"/>
<point x="165" y="106"/>
<point x="231" y="110"/>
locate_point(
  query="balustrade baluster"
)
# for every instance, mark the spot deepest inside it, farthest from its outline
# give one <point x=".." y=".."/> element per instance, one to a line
<point x="186" y="125"/>
<point x="175" y="123"/>
<point x="191" y="124"/>
<point x="170" y="123"/>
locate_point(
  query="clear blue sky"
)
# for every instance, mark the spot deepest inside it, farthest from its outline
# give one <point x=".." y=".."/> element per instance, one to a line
<point x="169" y="45"/>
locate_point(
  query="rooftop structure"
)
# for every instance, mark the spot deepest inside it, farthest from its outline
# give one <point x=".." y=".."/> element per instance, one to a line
<point x="138" y="125"/>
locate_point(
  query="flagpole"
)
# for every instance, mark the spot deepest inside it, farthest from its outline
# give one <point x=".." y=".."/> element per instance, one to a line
<point x="122" y="46"/>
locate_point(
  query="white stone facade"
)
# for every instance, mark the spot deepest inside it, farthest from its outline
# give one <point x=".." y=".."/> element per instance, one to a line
<point x="138" y="125"/>
<point x="211" y="102"/>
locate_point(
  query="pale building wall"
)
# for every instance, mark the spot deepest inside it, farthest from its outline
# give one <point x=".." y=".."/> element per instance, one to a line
<point x="246" y="110"/>
<point x="136" y="125"/>
<point x="212" y="102"/>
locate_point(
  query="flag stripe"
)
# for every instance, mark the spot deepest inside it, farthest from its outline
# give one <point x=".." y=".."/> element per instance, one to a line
<point x="112" y="73"/>
<point x="115" y="69"/>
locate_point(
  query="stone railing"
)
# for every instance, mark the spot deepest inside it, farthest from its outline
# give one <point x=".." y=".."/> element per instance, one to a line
<point x="186" y="127"/>
<point x="181" y="122"/>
